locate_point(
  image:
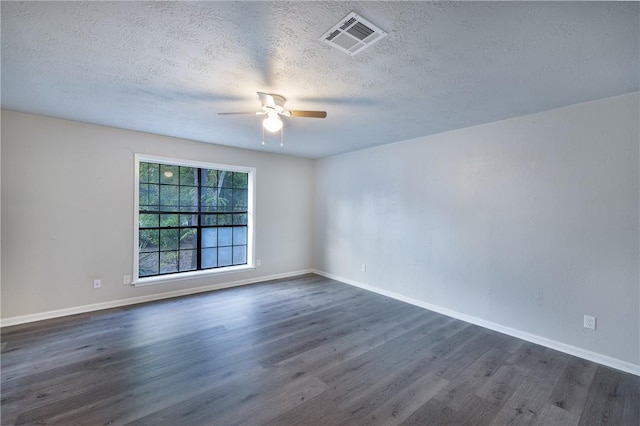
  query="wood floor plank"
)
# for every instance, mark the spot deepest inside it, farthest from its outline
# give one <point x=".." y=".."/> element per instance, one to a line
<point x="404" y="402"/>
<point x="476" y="411"/>
<point x="386" y="357"/>
<point x="572" y="387"/>
<point x="320" y="410"/>
<point x="463" y="387"/>
<point x="523" y="408"/>
<point x="605" y="402"/>
<point x="240" y="401"/>
<point x="336" y="352"/>
<point x="499" y="388"/>
<point x="631" y="391"/>
<point x="433" y="412"/>
<point x="553" y="415"/>
<point x="298" y="351"/>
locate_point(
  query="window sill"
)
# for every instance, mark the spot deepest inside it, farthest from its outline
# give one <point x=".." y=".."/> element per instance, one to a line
<point x="142" y="282"/>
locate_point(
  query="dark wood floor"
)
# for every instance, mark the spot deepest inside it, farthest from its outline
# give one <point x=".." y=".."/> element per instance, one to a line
<point x="306" y="351"/>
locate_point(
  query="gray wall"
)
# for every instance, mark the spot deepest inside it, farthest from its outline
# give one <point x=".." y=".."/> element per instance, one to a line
<point x="67" y="211"/>
<point x="528" y="223"/>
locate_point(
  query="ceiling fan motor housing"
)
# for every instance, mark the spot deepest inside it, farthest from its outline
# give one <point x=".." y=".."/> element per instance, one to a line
<point x="272" y="103"/>
<point x="279" y="100"/>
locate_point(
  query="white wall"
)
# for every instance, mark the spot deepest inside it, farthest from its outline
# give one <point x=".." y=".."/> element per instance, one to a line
<point x="527" y="223"/>
<point x="67" y="211"/>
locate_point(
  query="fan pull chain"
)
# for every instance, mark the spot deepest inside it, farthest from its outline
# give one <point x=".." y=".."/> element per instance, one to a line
<point x="282" y="136"/>
<point x="263" y="136"/>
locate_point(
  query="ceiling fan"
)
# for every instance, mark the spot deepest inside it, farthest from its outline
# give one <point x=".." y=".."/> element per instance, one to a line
<point x="273" y="108"/>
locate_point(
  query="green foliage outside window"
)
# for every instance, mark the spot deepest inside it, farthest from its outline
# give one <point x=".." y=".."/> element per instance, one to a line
<point x="177" y="205"/>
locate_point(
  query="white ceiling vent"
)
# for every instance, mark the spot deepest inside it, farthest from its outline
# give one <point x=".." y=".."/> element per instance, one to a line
<point x="353" y="34"/>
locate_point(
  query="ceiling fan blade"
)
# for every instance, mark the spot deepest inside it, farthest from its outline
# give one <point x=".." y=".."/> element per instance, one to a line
<point x="267" y="99"/>
<point x="236" y="113"/>
<point x="310" y="114"/>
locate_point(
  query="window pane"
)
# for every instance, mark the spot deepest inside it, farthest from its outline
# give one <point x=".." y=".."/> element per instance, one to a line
<point x="154" y="172"/>
<point x="210" y="178"/>
<point x="188" y="220"/>
<point x="169" y="197"/>
<point x="168" y="220"/>
<point x="188" y="238"/>
<point x="148" y="240"/>
<point x="209" y="219"/>
<point x="188" y="261"/>
<point x="224" y="236"/>
<point x="240" y="219"/>
<point x="222" y="179"/>
<point x="240" y="180"/>
<point x="152" y="200"/>
<point x="168" y="262"/>
<point x="188" y="176"/>
<point x="240" y="200"/>
<point x="239" y="235"/>
<point x="144" y="173"/>
<point x="209" y="199"/>
<point x="225" y="200"/>
<point x="224" y="219"/>
<point x="148" y="220"/>
<point x="227" y="182"/>
<point x="143" y="195"/>
<point x="148" y="264"/>
<point x="209" y="258"/>
<point x="188" y="199"/>
<point x="239" y="255"/>
<point x="169" y="239"/>
<point x="169" y="174"/>
<point x="224" y="256"/>
<point x="209" y="237"/>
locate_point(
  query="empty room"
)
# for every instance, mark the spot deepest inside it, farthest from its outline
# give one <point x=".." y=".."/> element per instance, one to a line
<point x="320" y="213"/>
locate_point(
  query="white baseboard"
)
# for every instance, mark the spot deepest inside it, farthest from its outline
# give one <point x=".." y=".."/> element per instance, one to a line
<point x="543" y="341"/>
<point x="6" y="322"/>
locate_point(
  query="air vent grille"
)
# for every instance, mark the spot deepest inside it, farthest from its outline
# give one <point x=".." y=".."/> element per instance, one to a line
<point x="333" y="34"/>
<point x="353" y="34"/>
<point x="347" y="23"/>
<point x="360" y="30"/>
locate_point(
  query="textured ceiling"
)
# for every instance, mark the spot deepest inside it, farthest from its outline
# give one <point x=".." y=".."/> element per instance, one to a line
<point x="170" y="67"/>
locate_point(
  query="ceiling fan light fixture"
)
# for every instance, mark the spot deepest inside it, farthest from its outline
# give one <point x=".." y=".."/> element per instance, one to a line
<point x="272" y="123"/>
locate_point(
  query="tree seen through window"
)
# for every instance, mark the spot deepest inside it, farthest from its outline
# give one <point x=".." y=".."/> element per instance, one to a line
<point x="190" y="218"/>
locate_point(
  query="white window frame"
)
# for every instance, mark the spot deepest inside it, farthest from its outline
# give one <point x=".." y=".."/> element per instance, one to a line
<point x="144" y="281"/>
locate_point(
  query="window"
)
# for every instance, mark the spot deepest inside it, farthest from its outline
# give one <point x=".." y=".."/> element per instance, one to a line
<point x="192" y="218"/>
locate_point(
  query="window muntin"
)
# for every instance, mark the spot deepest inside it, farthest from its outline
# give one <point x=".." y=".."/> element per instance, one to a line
<point x="192" y="217"/>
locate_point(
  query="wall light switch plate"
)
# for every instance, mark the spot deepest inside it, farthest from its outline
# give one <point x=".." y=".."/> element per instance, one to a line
<point x="126" y="280"/>
<point x="97" y="283"/>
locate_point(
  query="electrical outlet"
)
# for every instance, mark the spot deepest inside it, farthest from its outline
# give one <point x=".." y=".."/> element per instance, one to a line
<point x="126" y="280"/>
<point x="258" y="262"/>
<point x="589" y="322"/>
<point x="97" y="283"/>
<point x="363" y="267"/>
